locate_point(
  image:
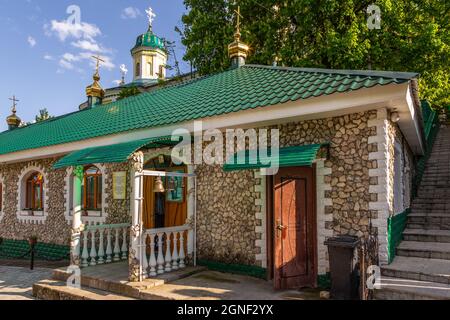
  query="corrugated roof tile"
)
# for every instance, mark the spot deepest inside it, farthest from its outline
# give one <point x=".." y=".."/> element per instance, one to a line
<point x="244" y="88"/>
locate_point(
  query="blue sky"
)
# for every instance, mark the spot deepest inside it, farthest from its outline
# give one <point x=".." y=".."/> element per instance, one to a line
<point x="45" y="64"/>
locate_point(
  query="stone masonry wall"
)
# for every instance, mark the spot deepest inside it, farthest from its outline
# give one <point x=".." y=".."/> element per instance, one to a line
<point x="229" y="220"/>
<point x="54" y="227"/>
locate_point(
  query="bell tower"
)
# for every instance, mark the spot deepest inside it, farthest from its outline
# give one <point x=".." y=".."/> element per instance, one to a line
<point x="149" y="55"/>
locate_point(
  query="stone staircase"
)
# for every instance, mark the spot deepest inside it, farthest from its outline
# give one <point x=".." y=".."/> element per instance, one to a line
<point x="421" y="269"/>
<point x="108" y="282"/>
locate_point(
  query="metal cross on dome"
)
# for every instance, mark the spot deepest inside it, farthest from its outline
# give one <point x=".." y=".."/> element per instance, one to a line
<point x="98" y="59"/>
<point x="14" y="100"/>
<point x="151" y="15"/>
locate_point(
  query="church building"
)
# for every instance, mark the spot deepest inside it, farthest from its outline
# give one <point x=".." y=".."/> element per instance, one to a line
<point x="103" y="182"/>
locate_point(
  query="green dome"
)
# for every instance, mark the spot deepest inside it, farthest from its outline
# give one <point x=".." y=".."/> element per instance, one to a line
<point x="150" y="40"/>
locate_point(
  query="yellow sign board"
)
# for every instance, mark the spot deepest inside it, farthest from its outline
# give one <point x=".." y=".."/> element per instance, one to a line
<point x="120" y="185"/>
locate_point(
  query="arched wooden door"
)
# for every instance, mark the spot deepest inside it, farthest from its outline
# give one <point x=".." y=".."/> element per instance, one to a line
<point x="295" y="228"/>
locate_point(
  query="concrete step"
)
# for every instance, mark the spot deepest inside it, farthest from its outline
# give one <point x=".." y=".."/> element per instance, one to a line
<point x="428" y="219"/>
<point x="405" y="289"/>
<point x="56" y="290"/>
<point x="105" y="281"/>
<point x="431" y="201"/>
<point x="434" y="195"/>
<point x="433" y="270"/>
<point x="431" y="206"/>
<point x="427" y="250"/>
<point x="427" y="235"/>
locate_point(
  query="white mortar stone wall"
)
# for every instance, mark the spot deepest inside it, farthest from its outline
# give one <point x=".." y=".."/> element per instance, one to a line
<point x="261" y="225"/>
<point x="323" y="219"/>
<point x="380" y="188"/>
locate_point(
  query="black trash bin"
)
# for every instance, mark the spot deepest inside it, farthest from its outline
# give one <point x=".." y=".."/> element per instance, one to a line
<point x="344" y="276"/>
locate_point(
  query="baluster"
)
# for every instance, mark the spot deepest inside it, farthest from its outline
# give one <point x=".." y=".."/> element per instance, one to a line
<point x="124" y="244"/>
<point x="85" y="254"/>
<point x="175" y="256"/>
<point x="101" y="248"/>
<point x="93" y="254"/>
<point x="144" y="257"/>
<point x="182" y="254"/>
<point x="160" y="260"/>
<point x="153" y="262"/>
<point x="117" y="247"/>
<point x="168" y="256"/>
<point x="108" y="247"/>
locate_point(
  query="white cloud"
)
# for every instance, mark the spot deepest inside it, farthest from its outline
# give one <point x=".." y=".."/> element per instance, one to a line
<point x="87" y="45"/>
<point x="68" y="61"/>
<point x="130" y="13"/>
<point x="70" y="57"/>
<point x="64" y="29"/>
<point x="48" y="57"/>
<point x="66" y="64"/>
<point x="83" y="37"/>
<point x="117" y="82"/>
<point x="31" y="41"/>
<point x="107" y="64"/>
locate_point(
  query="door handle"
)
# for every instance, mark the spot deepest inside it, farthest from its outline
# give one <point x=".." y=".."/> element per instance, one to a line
<point x="280" y="227"/>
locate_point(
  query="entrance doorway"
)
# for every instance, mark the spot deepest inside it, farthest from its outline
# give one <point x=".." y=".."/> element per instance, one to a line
<point x="294" y="228"/>
<point x="165" y="201"/>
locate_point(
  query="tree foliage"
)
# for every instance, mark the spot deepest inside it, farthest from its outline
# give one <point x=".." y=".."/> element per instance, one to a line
<point x="414" y="37"/>
<point x="128" y="92"/>
<point x="43" y="115"/>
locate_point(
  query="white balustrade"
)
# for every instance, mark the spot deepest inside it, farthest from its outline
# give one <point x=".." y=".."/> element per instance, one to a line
<point x="93" y="252"/>
<point x="167" y="250"/>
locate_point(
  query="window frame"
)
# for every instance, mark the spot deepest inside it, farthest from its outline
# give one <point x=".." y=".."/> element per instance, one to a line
<point x="98" y="189"/>
<point x="33" y="181"/>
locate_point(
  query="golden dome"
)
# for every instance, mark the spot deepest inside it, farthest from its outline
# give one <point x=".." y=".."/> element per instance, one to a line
<point x="13" y="120"/>
<point x="95" y="90"/>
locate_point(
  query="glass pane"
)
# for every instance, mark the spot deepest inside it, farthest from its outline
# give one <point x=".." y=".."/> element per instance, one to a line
<point x="37" y="197"/>
<point x="99" y="192"/>
<point x="90" y="192"/>
<point x="92" y="171"/>
<point x="29" y="201"/>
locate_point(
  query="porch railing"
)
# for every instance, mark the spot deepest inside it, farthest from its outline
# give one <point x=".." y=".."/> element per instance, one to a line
<point x="164" y="250"/>
<point x="103" y="244"/>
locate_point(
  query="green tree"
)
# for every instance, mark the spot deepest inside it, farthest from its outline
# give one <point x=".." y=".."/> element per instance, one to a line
<point x="128" y="92"/>
<point x="414" y="37"/>
<point x="43" y="115"/>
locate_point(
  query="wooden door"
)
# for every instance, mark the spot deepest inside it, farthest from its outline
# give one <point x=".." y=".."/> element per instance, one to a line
<point x="295" y="228"/>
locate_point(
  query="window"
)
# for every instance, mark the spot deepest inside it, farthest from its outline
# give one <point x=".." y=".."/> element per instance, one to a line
<point x="150" y="69"/>
<point x="34" y="192"/>
<point x="161" y="71"/>
<point x="92" y="189"/>
<point x="138" y="69"/>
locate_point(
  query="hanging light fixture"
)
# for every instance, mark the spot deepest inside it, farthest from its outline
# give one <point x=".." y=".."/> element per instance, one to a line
<point x="159" y="186"/>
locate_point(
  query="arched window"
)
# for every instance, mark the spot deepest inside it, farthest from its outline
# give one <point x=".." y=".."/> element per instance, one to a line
<point x="150" y="68"/>
<point x="92" y="189"/>
<point x="35" y="192"/>
<point x="138" y="69"/>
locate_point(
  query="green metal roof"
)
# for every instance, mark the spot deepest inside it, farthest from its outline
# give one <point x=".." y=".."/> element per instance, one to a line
<point x="288" y="157"/>
<point x="248" y="87"/>
<point x="112" y="153"/>
<point x="149" y="39"/>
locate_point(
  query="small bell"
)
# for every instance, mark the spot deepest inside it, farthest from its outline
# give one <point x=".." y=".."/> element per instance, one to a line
<point x="159" y="186"/>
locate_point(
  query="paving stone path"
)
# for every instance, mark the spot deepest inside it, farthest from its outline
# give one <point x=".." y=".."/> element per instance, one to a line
<point x="16" y="282"/>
